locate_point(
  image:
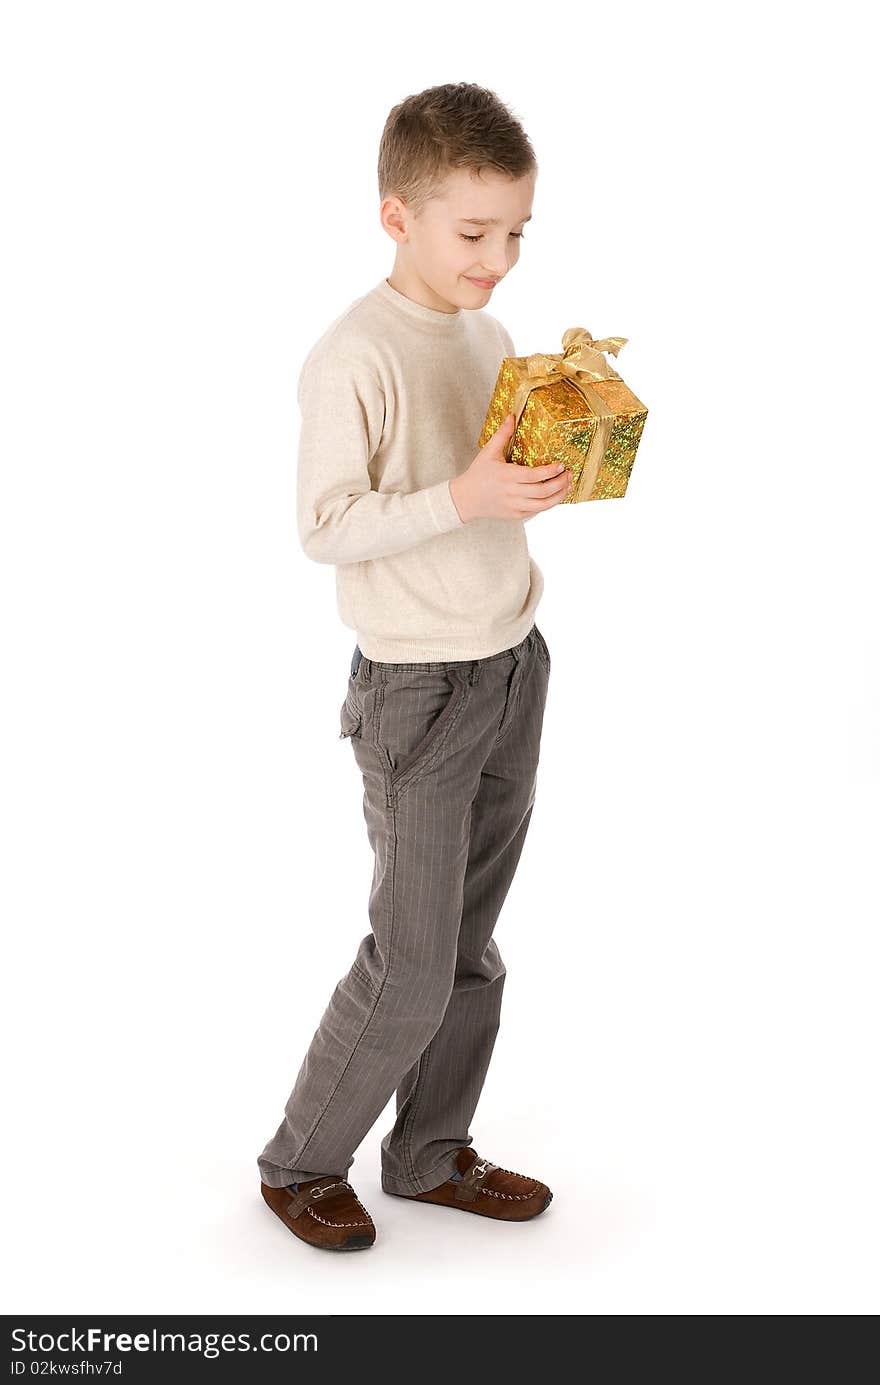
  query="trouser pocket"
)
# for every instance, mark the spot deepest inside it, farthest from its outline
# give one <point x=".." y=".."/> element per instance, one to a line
<point x="350" y="718"/>
<point x="351" y="713"/>
<point x="419" y="708"/>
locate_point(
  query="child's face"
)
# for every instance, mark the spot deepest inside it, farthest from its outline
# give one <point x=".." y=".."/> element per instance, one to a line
<point x="444" y="247"/>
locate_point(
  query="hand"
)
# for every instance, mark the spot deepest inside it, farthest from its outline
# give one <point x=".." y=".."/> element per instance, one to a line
<point x="493" y="488"/>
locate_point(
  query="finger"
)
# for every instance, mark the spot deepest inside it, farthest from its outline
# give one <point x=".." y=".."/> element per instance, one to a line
<point x="541" y="473"/>
<point x="498" y="442"/>
<point x="505" y="425"/>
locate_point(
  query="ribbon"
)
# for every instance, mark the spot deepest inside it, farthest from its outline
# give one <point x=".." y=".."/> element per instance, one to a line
<point x="579" y="362"/>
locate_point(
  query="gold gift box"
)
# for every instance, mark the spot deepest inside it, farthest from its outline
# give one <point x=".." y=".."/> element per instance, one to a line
<point x="571" y="407"/>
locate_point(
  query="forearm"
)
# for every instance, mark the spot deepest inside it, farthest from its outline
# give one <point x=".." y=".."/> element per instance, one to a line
<point x="375" y="524"/>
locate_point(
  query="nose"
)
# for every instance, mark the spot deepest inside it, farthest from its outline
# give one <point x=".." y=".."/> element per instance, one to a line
<point x="499" y="270"/>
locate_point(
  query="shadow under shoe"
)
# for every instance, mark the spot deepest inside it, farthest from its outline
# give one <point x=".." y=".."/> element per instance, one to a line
<point x="324" y="1212"/>
<point x="488" y="1190"/>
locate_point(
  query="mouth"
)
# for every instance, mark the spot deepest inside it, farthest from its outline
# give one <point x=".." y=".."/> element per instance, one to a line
<point x="482" y="283"/>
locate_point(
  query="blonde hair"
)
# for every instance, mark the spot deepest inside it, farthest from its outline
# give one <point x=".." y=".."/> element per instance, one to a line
<point x="458" y="125"/>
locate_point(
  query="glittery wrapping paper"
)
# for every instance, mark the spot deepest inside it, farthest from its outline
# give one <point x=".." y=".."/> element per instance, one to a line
<point x="557" y="425"/>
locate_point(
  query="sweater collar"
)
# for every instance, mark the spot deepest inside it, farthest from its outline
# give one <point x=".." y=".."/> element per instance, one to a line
<point x="441" y="322"/>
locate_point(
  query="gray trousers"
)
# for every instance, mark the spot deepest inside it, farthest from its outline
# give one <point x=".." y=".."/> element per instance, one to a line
<point x="448" y="753"/>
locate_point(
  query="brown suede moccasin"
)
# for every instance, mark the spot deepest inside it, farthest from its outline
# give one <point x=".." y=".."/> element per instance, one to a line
<point x="324" y="1212"/>
<point x="488" y="1190"/>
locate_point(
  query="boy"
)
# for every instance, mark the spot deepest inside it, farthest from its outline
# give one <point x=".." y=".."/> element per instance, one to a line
<point x="449" y="677"/>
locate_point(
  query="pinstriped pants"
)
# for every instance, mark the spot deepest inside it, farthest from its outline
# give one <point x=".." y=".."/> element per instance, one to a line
<point x="448" y="753"/>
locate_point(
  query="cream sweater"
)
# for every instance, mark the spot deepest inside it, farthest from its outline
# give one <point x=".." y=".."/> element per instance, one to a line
<point x="393" y="396"/>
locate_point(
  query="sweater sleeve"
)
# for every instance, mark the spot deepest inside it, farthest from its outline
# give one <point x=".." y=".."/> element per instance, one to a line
<point x="340" y="518"/>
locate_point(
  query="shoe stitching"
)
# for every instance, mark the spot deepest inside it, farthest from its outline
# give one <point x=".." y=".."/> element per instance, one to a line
<point x="511" y="1197"/>
<point x="515" y="1174"/>
<point x="312" y="1213"/>
<point x="369" y="1222"/>
<point x="362" y="1207"/>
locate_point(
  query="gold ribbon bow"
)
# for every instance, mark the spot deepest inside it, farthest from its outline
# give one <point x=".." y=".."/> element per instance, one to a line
<point x="579" y="362"/>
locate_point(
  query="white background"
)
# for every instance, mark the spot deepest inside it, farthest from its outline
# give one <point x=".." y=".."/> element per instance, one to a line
<point x="688" y="1044"/>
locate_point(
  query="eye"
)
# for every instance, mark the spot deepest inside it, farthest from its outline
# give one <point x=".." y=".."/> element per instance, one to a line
<point x="517" y="235"/>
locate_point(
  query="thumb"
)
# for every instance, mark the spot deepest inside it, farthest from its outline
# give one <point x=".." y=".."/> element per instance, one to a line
<point x="496" y="444"/>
